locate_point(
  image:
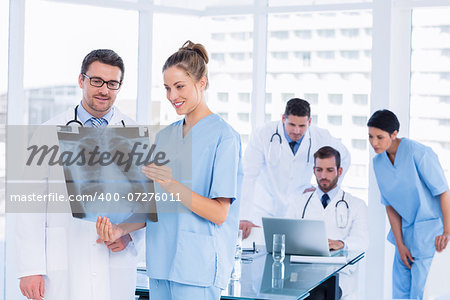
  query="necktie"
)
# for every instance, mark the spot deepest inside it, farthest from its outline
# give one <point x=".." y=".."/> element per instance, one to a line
<point x="324" y="200"/>
<point x="97" y="122"/>
<point x="292" y="145"/>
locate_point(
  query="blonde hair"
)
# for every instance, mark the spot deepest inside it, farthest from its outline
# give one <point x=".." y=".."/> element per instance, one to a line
<point x="191" y="58"/>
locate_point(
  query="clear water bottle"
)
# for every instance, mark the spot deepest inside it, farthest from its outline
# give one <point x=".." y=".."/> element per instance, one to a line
<point x="236" y="273"/>
<point x="278" y="250"/>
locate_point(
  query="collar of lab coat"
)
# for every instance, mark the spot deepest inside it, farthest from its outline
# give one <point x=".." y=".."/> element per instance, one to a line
<point x="316" y="197"/>
<point x="332" y="194"/>
<point x="305" y="139"/>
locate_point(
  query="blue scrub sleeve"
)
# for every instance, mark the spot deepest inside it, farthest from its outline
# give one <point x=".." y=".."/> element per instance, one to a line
<point x="225" y="170"/>
<point x="384" y="201"/>
<point x="431" y="173"/>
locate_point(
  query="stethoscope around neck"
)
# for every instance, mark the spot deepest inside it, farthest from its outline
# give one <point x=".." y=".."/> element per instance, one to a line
<point x="76" y="121"/>
<point x="271" y="153"/>
<point x="341" y="218"/>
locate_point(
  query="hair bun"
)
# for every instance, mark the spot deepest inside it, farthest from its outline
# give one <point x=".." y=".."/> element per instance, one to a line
<point x="197" y="48"/>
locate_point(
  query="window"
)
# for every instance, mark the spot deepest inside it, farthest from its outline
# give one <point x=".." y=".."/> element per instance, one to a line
<point x="287" y="96"/>
<point x="335" y="120"/>
<point x="242" y="36"/>
<point x="218" y="36"/>
<point x="312" y="98"/>
<point x="303" y="34"/>
<point x="282" y="35"/>
<point x="335" y="99"/>
<point x="444" y="75"/>
<point x="359" y="144"/>
<point x="350" y="32"/>
<point x="222" y="97"/>
<point x="304" y="57"/>
<point x="445" y="52"/>
<point x="218" y="57"/>
<point x="223" y="115"/>
<point x="239" y="55"/>
<point x="325" y="54"/>
<point x="243" y="117"/>
<point x="268" y="97"/>
<point x="445" y="28"/>
<point x="430" y="78"/>
<point x="359" y="120"/>
<point x="444" y="99"/>
<point x="444" y="122"/>
<point x="316" y="72"/>
<point x="280" y="55"/>
<point x="326" y="33"/>
<point x="46" y="43"/>
<point x="244" y="97"/>
<point x="360" y="99"/>
<point x="350" y="54"/>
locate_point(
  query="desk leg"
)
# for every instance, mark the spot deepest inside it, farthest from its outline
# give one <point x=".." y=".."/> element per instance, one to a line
<point x="332" y="286"/>
<point x="328" y="290"/>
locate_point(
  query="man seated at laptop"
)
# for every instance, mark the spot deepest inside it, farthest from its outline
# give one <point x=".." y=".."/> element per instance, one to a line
<point x="345" y="216"/>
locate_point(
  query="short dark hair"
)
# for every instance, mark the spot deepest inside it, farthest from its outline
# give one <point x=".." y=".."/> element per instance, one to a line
<point x="385" y="120"/>
<point x="326" y="152"/>
<point x="297" y="107"/>
<point x="105" y="56"/>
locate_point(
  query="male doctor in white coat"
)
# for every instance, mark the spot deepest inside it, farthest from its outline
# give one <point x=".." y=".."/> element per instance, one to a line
<point x="345" y="216"/>
<point x="57" y="255"/>
<point x="279" y="161"/>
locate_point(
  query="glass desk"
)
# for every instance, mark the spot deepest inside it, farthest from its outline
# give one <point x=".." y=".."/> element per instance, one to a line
<point x="262" y="278"/>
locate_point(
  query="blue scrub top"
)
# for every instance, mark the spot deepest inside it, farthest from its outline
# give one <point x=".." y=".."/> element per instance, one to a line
<point x="412" y="186"/>
<point x="182" y="246"/>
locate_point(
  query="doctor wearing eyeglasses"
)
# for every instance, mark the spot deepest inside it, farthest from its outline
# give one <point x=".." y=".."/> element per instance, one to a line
<point x="57" y="257"/>
<point x="345" y="216"/>
<point x="278" y="162"/>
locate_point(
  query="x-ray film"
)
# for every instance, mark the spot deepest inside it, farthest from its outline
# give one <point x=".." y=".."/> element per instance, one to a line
<point x="102" y="169"/>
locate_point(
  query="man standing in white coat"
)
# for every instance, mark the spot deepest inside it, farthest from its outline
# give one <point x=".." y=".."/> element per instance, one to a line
<point x="57" y="255"/>
<point x="278" y="162"/>
<point x="345" y="216"/>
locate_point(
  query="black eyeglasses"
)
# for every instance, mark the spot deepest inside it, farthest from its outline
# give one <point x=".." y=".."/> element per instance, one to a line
<point x="98" y="82"/>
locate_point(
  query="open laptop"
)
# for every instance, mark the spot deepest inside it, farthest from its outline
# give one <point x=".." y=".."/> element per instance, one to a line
<point x="302" y="237"/>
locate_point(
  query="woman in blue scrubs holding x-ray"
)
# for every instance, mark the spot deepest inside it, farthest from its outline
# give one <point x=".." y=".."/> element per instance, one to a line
<point x="415" y="192"/>
<point x="190" y="249"/>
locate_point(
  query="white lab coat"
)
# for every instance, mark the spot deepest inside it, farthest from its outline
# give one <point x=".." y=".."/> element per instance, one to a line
<point x="355" y="235"/>
<point x="267" y="184"/>
<point x="64" y="249"/>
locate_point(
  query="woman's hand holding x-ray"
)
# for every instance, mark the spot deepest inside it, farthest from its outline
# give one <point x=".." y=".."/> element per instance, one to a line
<point x="160" y="174"/>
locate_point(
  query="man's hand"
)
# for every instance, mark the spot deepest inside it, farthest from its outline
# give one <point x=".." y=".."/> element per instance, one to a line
<point x="107" y="231"/>
<point x="310" y="189"/>
<point x="335" y="244"/>
<point x="119" y="244"/>
<point x="33" y="287"/>
<point x="405" y="255"/>
<point x="441" y="242"/>
<point x="246" y="227"/>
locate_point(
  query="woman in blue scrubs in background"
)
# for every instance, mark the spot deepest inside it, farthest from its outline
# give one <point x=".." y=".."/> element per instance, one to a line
<point x="190" y="250"/>
<point x="415" y="192"/>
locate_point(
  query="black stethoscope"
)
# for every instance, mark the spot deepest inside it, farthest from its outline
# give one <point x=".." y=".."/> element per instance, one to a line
<point x="341" y="220"/>
<point x="277" y="135"/>
<point x="75" y="119"/>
